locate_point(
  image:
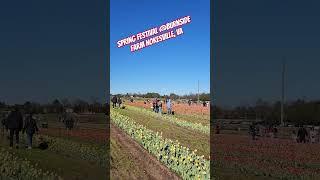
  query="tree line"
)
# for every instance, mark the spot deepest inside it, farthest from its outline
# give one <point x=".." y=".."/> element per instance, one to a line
<point x="298" y="112"/>
<point x="59" y="106"/>
<point x="193" y="97"/>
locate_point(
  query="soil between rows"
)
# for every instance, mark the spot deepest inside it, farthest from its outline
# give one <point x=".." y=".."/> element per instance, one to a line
<point x="151" y="167"/>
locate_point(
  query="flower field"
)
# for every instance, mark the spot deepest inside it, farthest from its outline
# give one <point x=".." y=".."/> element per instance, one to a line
<point x="180" y="159"/>
<point x="194" y="126"/>
<point x="94" y="135"/>
<point x="12" y="167"/>
<point x="186" y="136"/>
<point x="272" y="158"/>
<point x="194" y="109"/>
<point x="86" y="152"/>
<point x="77" y="154"/>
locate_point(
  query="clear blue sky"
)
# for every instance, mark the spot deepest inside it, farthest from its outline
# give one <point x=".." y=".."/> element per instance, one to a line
<point x="174" y="65"/>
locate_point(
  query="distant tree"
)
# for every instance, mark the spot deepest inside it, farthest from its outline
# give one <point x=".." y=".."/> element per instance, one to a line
<point x="27" y="107"/>
<point x="56" y="106"/>
<point x="152" y="95"/>
<point x="174" y="96"/>
<point x="204" y="97"/>
<point x="66" y="103"/>
<point x="3" y="105"/>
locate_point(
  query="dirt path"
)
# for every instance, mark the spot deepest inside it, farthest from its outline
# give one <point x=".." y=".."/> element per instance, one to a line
<point x="146" y="163"/>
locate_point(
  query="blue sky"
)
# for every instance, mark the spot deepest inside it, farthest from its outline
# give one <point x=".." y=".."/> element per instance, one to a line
<point x="174" y="65"/>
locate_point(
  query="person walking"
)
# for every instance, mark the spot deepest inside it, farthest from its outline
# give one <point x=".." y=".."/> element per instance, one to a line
<point x="189" y="102"/>
<point x="275" y="132"/>
<point x="4" y="123"/>
<point x="154" y="104"/>
<point x="204" y="104"/>
<point x="169" y="106"/>
<point x="114" y="101"/>
<point x="217" y="129"/>
<point x="313" y="134"/>
<point x="70" y="121"/>
<point x="252" y="131"/>
<point x="14" y="124"/>
<point x="119" y="102"/>
<point x="30" y="127"/>
<point x="294" y="136"/>
<point x="302" y="134"/>
<point x="159" y="106"/>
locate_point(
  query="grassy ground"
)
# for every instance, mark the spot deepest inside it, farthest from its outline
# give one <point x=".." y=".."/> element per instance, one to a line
<point x="188" y="138"/>
<point x="66" y="167"/>
<point x="231" y="174"/>
<point x="203" y="119"/>
<point x="121" y="164"/>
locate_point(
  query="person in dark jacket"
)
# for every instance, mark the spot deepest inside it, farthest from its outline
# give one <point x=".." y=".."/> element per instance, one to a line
<point x="154" y="104"/>
<point x="14" y="124"/>
<point x="3" y="123"/>
<point x="157" y="105"/>
<point x="30" y="127"/>
<point x="217" y="129"/>
<point x="69" y="121"/>
<point x="119" y="102"/>
<point x="204" y="104"/>
<point x="253" y="131"/>
<point x="275" y="132"/>
<point x="302" y="134"/>
<point x="114" y="101"/>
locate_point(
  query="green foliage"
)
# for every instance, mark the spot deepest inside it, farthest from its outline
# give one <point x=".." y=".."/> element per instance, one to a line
<point x="176" y="157"/>
<point x="193" y="97"/>
<point x="204" y="97"/>
<point x="152" y="95"/>
<point x="299" y="112"/>
<point x="12" y="167"/>
<point x="87" y="152"/>
<point x="194" y="126"/>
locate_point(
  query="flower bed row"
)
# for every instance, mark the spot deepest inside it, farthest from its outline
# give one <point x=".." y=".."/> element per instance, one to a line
<point x="87" y="152"/>
<point x="194" y="126"/>
<point x="176" y="157"/>
<point x="11" y="167"/>
<point x="93" y="135"/>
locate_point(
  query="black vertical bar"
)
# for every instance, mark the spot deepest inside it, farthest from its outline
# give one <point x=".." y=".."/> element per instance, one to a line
<point x="108" y="84"/>
<point x="212" y="22"/>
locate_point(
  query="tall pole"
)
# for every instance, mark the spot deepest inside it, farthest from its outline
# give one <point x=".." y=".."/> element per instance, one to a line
<point x="198" y="91"/>
<point x="283" y="90"/>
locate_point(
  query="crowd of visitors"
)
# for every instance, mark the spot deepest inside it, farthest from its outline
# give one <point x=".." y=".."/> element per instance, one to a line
<point x="157" y="106"/>
<point x="301" y="134"/>
<point x="116" y="100"/>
